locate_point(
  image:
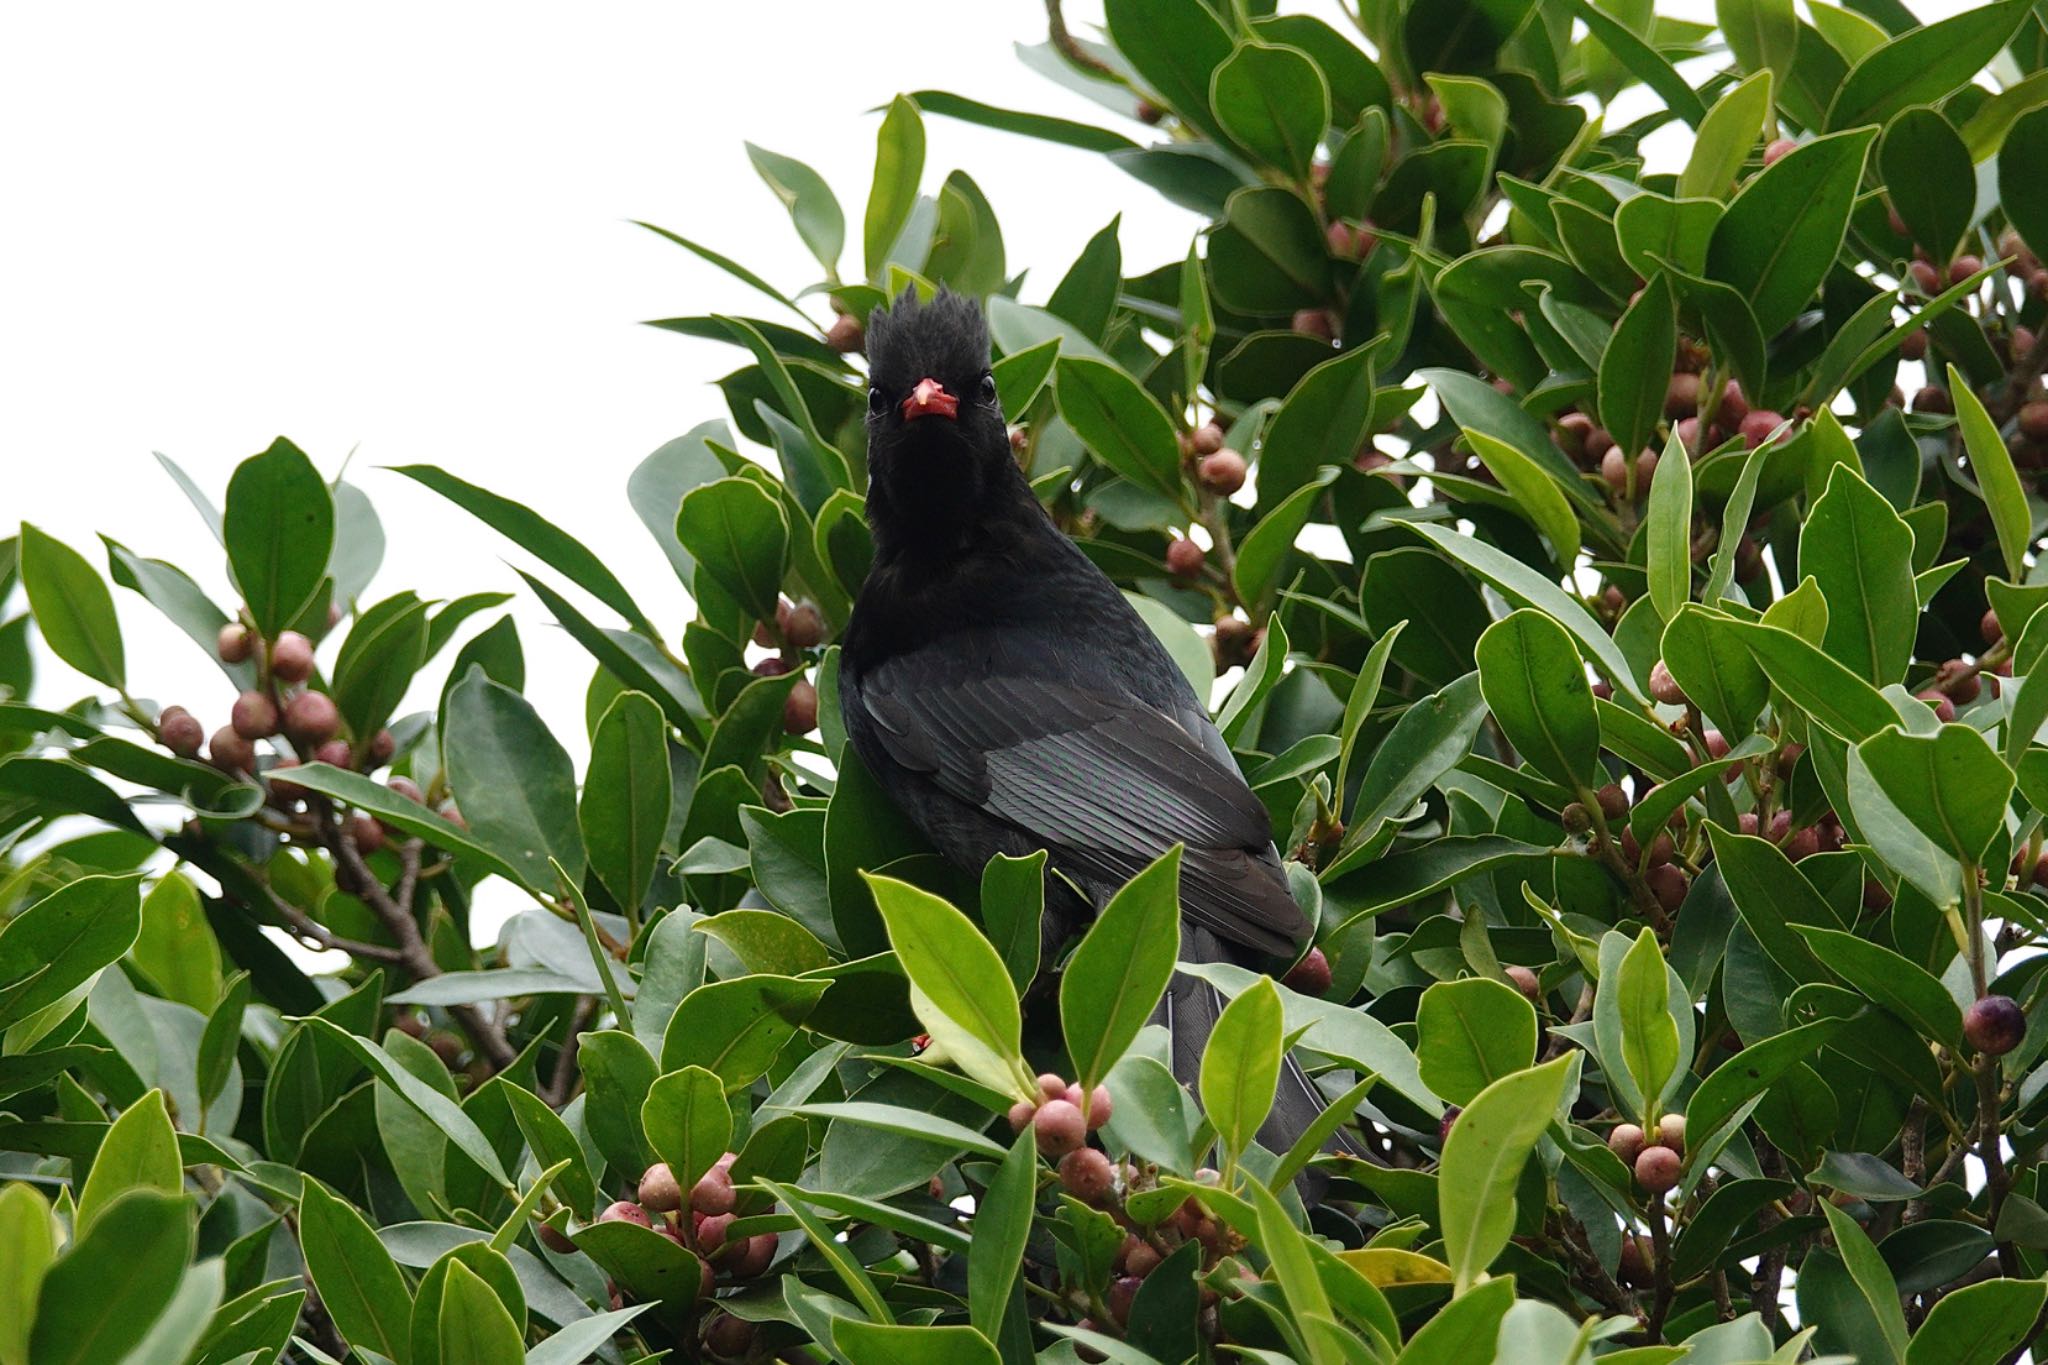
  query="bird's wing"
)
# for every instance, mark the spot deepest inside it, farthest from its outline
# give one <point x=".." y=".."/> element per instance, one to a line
<point x="1107" y="780"/>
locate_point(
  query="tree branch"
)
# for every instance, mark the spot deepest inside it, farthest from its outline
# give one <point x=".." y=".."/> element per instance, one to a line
<point x="1070" y="48"/>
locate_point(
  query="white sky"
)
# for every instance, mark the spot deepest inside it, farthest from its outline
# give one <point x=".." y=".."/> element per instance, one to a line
<point x="409" y="232"/>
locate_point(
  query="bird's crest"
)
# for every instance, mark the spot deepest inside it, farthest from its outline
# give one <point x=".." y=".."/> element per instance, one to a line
<point x="911" y="338"/>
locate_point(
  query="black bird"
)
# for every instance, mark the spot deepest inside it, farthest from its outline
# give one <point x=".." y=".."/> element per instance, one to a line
<point x="1009" y="698"/>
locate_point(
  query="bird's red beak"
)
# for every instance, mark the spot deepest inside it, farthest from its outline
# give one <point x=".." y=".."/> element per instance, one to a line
<point x="930" y="399"/>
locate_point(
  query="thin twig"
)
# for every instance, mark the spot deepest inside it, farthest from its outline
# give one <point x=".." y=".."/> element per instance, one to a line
<point x="1070" y="48"/>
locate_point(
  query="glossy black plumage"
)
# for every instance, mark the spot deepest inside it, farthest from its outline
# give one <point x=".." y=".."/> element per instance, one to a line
<point x="1009" y="698"/>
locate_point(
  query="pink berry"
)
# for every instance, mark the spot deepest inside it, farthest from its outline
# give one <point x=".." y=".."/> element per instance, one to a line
<point x="658" y="1189"/>
<point x="1625" y="1140"/>
<point x="713" y="1192"/>
<point x="291" y="658"/>
<point x="625" y="1211"/>
<point x="254" y="715"/>
<point x="1994" y="1025"/>
<point x="1086" y="1174"/>
<point x="1060" y="1128"/>
<point x="1658" y="1169"/>
<point x="1098" y="1107"/>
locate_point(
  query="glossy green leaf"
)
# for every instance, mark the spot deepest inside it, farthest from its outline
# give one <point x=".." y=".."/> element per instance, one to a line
<point x="279" y="528"/>
<point x="1950" y="784"/>
<point x="1731" y="128"/>
<point x="1779" y="237"/>
<point x="359" y="1283"/>
<point x="1670" y="531"/>
<point x="513" y="780"/>
<point x="100" y="1297"/>
<point x="1471" y="1033"/>
<point x="1322" y="423"/>
<point x="812" y="205"/>
<point x="1483" y="1159"/>
<point x="475" y="1328"/>
<point x="1978" y="1324"/>
<point x="1649" y="1035"/>
<point x="140" y="1151"/>
<point x="687" y="1122"/>
<point x="58" y="943"/>
<point x="1535" y="491"/>
<point x="1262" y="554"/>
<point x="1901" y="986"/>
<point x="1635" y="369"/>
<point x="1819" y="685"/>
<point x="1859" y="552"/>
<point x="176" y="948"/>
<point x="1274" y="103"/>
<point x="1763" y="34"/>
<point x="1872" y="1278"/>
<point x="1175" y="47"/>
<point x="1715" y="668"/>
<point x="1114" y="979"/>
<point x="1121" y="423"/>
<point x="1924" y="65"/>
<point x="1241" y="1065"/>
<point x="1532" y="678"/>
<point x="2021" y="188"/>
<point x="739" y="535"/>
<point x="1929" y="178"/>
<point x="899" y="165"/>
<point x="624" y="809"/>
<point x="960" y="989"/>
<point x="1002" y="1224"/>
<point x="737" y="1028"/>
<point x="1998" y="482"/>
<point x="73" y="609"/>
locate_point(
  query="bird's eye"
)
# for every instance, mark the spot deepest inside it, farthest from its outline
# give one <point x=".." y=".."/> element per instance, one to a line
<point x="988" y="388"/>
<point x="877" y="404"/>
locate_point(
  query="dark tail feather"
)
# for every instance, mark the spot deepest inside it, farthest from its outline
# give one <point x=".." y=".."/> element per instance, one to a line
<point x="1189" y="1011"/>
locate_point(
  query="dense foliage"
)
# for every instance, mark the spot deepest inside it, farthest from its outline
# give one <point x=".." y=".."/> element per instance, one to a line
<point x="1639" y="685"/>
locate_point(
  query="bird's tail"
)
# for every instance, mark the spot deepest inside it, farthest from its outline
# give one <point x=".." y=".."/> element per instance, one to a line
<point x="1189" y="1011"/>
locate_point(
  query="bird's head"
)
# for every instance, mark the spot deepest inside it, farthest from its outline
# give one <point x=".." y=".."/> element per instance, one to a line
<point x="937" y="443"/>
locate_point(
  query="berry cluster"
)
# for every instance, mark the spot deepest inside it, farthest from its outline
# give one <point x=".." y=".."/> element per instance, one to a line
<point x="1061" y="1118"/>
<point x="1657" y="1161"/>
<point x="798" y="627"/>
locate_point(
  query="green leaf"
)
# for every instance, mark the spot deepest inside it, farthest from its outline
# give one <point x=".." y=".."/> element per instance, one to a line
<point x="220" y="1040"/>
<point x="1175" y="46"/>
<point x="1260" y="677"/>
<point x="1532" y="678"/>
<point x="1779" y="237"/>
<point x="1950" y="784"/>
<point x="1471" y="1033"/>
<point x="443" y="1112"/>
<point x="1534" y="490"/>
<point x="1114" y="979"/>
<point x="1649" y="1035"/>
<point x="1997" y="481"/>
<point x="1762" y="34"/>
<point x="1465" y="1329"/>
<point x="960" y="990"/>
<point x="101" y="1296"/>
<point x="1729" y="132"/>
<point x="279" y="526"/>
<point x="899" y="165"/>
<point x="1524" y="587"/>
<point x="1428" y="740"/>
<point x="1002" y="1225"/>
<point x="2022" y="190"/>
<point x="617" y="1074"/>
<point x="475" y="1327"/>
<point x="175" y="947"/>
<point x="1482" y="1162"/>
<point x="1715" y="669"/>
<point x="1902" y="986"/>
<point x="1670" y="531"/>
<point x="624" y="810"/>
<point x="1978" y="1324"/>
<point x="687" y="1122"/>
<point x="1860" y="553"/>
<point x="1241" y="1065"/>
<point x="737" y="1028"/>
<point x="1746" y="1075"/>
<point x="1274" y="103"/>
<point x="1120" y="422"/>
<point x="1929" y="178"/>
<point x="1268" y="256"/>
<point x="1013" y="909"/>
<point x="73" y="609"/>
<point x="1815" y="682"/>
<point x="1873" y="1278"/>
<point x="538" y="536"/>
<point x="1772" y="896"/>
<point x="1643" y="61"/>
<point x="873" y="1343"/>
<point x="140" y="1151"/>
<point x="358" y="1281"/>
<point x="1897" y="838"/>
<point x="1321" y="424"/>
<point x="1924" y="65"/>
<point x="1020" y="375"/>
<point x="513" y="780"/>
<point x="1262" y="554"/>
<point x="385" y="647"/>
<point x="58" y="943"/>
<point x="1066" y="132"/>
<point x="812" y="205"/>
<point x="28" y="1243"/>
<point x="728" y="265"/>
<point x="739" y="535"/>
<point x="1651" y="231"/>
<point x="1635" y="369"/>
